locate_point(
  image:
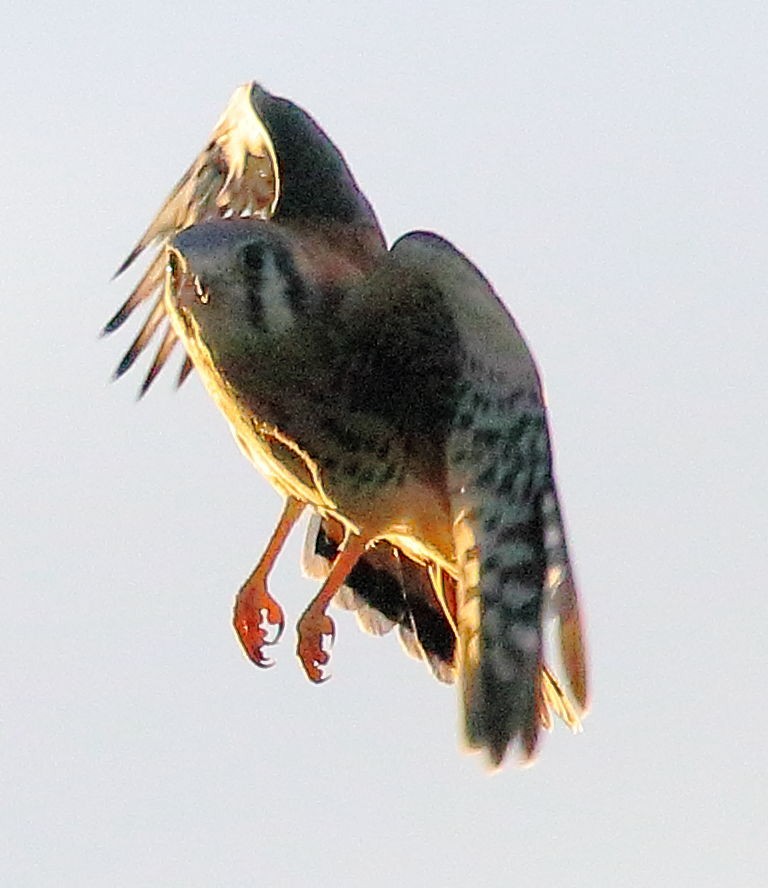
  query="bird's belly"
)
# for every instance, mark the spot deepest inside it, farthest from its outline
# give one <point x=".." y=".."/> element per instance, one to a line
<point x="287" y="467"/>
<point x="406" y="512"/>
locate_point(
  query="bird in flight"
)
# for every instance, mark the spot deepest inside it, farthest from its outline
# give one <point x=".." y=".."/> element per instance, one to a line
<point x="389" y="393"/>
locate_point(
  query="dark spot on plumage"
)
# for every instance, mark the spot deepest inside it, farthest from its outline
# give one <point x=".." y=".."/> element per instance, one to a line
<point x="365" y="476"/>
<point x="486" y="437"/>
<point x="473" y="365"/>
<point x="523" y="524"/>
<point x="343" y="434"/>
<point x="507" y="483"/>
<point x="464" y="420"/>
<point x="479" y="402"/>
<point x="253" y="258"/>
<point x="295" y="292"/>
<point x="510" y="401"/>
<point x="388" y="473"/>
<point x="491" y="523"/>
<point x="524" y="573"/>
<point x="521" y="440"/>
<point x="460" y="456"/>
<point x="508" y="449"/>
<point x="253" y="269"/>
<point x="487" y="478"/>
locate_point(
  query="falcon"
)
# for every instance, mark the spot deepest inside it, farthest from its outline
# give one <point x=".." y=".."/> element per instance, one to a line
<point x="391" y="392"/>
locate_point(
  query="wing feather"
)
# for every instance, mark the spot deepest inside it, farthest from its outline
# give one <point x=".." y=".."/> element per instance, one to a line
<point x="236" y="174"/>
<point x="163" y="353"/>
<point x="265" y="159"/>
<point x="186" y="369"/>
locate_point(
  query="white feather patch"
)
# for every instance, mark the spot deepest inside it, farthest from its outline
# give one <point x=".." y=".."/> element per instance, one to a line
<point x="313" y="566"/>
<point x="410" y="643"/>
<point x="278" y="314"/>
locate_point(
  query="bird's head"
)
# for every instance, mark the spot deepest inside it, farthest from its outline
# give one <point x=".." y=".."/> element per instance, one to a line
<point x="241" y="297"/>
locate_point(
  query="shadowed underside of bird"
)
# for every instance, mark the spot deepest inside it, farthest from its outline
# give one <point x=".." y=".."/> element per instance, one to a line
<point x="388" y="391"/>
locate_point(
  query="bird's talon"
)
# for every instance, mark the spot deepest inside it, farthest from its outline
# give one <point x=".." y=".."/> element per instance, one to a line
<point x="255" y="613"/>
<point x="279" y="633"/>
<point x="311" y="629"/>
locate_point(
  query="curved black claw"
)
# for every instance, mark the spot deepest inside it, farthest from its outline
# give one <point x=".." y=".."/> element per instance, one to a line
<point x="278" y="635"/>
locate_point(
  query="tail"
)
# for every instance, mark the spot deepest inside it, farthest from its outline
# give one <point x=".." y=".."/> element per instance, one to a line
<point x="514" y="568"/>
<point x="502" y="569"/>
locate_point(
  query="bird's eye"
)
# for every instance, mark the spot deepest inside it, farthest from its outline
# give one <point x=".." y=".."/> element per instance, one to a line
<point x="253" y="257"/>
<point x="173" y="270"/>
<point x="173" y="265"/>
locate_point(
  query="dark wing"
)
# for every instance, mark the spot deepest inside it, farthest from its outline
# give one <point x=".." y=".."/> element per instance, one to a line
<point x="509" y="535"/>
<point x="266" y="159"/>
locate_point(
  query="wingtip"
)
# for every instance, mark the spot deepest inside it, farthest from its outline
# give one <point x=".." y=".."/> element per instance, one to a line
<point x="132" y="256"/>
<point x="154" y="370"/>
<point x="186" y="369"/>
<point x="144" y="388"/>
<point x="125" y="365"/>
<point x="113" y="324"/>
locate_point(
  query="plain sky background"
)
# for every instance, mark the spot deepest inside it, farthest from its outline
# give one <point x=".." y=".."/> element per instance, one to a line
<point x="605" y="164"/>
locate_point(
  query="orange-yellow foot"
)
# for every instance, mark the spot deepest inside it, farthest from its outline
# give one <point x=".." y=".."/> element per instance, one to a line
<point x="255" y="612"/>
<point x="312" y="626"/>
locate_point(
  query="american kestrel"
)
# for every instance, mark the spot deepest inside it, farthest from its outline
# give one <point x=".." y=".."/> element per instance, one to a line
<point x="390" y="391"/>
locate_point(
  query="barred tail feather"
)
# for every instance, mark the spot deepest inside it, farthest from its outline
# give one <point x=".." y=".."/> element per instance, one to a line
<point x="500" y="636"/>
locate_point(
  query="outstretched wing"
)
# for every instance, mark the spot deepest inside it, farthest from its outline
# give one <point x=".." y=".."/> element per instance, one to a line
<point x="509" y="538"/>
<point x="266" y="159"/>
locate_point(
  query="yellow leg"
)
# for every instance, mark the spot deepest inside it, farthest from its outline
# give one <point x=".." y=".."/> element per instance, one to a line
<point x="254" y="606"/>
<point x="314" y="622"/>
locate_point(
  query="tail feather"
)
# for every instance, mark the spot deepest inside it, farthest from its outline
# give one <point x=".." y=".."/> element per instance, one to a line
<point x="565" y="601"/>
<point x="502" y="687"/>
<point x="499" y="616"/>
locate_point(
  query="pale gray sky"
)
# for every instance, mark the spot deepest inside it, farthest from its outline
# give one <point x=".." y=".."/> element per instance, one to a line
<point x="605" y="165"/>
